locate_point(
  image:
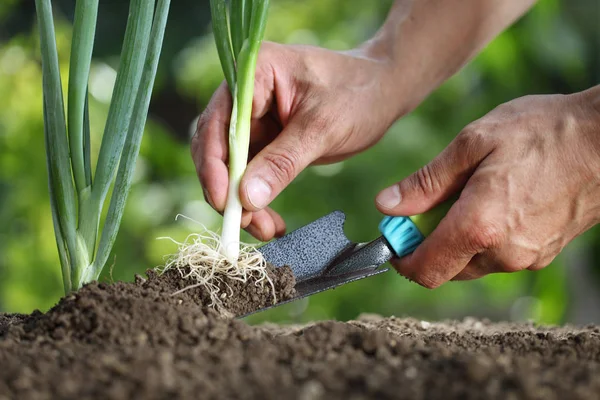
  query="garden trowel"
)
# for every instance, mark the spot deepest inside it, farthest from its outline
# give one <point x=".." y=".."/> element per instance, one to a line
<point x="322" y="257"/>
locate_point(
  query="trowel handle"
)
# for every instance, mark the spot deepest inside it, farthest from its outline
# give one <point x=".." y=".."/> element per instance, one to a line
<point x="404" y="234"/>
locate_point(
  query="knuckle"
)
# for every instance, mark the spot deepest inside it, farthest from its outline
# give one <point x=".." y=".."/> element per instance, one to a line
<point x="202" y="124"/>
<point x="541" y="264"/>
<point x="428" y="282"/>
<point x="194" y="147"/>
<point x="202" y="120"/>
<point x="200" y="127"/>
<point x="320" y="123"/>
<point x="282" y="165"/>
<point x="483" y="232"/>
<point x="512" y="266"/>
<point x="263" y="75"/>
<point x="466" y="275"/>
<point x="519" y="260"/>
<point x="425" y="179"/>
<point x="269" y="49"/>
<point x="472" y="136"/>
<point x="320" y="133"/>
<point x="472" y="141"/>
<point x="315" y="122"/>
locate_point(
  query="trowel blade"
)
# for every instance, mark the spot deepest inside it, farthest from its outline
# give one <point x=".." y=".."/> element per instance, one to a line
<point x="321" y="256"/>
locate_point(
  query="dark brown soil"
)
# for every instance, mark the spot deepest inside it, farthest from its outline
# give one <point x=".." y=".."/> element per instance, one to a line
<point x="136" y="341"/>
<point x="248" y="297"/>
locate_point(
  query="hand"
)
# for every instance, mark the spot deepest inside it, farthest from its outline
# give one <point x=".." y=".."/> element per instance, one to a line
<point x="531" y="176"/>
<point x="310" y="106"/>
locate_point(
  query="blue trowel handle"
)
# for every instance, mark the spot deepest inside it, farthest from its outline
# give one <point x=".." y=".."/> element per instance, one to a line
<point x="404" y="234"/>
<point x="401" y="233"/>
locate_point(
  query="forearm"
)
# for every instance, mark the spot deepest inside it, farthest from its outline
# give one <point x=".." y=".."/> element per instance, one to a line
<point x="426" y="41"/>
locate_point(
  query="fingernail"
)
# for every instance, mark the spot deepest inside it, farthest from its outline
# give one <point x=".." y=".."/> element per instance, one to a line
<point x="258" y="192"/>
<point x="390" y="197"/>
<point x="207" y="197"/>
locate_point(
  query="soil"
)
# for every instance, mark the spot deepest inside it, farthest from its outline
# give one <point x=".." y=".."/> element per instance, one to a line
<point x="248" y="298"/>
<point x="136" y="340"/>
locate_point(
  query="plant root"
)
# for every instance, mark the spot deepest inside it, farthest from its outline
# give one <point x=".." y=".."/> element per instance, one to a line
<point x="199" y="259"/>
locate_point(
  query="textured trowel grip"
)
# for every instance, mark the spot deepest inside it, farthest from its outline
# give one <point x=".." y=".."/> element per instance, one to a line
<point x="404" y="234"/>
<point x="401" y="233"/>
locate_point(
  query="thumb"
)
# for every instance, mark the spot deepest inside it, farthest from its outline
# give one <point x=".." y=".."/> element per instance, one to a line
<point x="439" y="179"/>
<point x="275" y="166"/>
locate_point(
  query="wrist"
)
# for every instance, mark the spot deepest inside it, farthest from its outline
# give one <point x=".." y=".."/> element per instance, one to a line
<point x="592" y="97"/>
<point x="394" y="86"/>
<point x="409" y="75"/>
<point x="589" y="101"/>
<point x="588" y="153"/>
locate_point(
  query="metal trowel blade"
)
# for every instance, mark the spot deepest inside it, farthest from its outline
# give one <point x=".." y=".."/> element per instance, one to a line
<point x="321" y="256"/>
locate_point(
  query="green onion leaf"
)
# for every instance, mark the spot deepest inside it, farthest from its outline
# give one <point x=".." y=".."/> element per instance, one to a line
<point x="258" y="23"/>
<point x="133" y="54"/>
<point x="62" y="193"/>
<point x="84" y="29"/>
<point x="237" y="15"/>
<point x="218" y="11"/>
<point x="76" y="199"/>
<point x="87" y="144"/>
<point x="247" y="18"/>
<point x="60" y="241"/>
<point x="134" y="139"/>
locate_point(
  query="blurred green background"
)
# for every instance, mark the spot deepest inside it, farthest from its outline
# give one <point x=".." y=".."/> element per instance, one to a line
<point x="554" y="49"/>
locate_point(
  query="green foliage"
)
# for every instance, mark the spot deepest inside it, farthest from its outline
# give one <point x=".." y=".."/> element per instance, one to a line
<point x="76" y="208"/>
<point x="548" y="51"/>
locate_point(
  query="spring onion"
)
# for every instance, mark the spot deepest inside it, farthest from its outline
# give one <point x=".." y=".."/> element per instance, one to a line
<point x="77" y="196"/>
<point x="238" y="30"/>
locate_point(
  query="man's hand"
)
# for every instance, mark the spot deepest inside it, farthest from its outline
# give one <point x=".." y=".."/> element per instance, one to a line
<point x="313" y="105"/>
<point x="310" y="106"/>
<point x="531" y="176"/>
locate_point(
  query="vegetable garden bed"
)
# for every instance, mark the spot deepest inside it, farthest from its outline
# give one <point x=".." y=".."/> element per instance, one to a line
<point x="138" y="340"/>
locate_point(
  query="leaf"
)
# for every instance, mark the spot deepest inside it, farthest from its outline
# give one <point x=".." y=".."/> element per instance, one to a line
<point x="62" y="193"/>
<point x="133" y="142"/>
<point x="60" y="241"/>
<point x="87" y="144"/>
<point x="218" y="12"/>
<point x="247" y="18"/>
<point x="258" y="23"/>
<point x="237" y="13"/>
<point x="84" y="29"/>
<point x="133" y="54"/>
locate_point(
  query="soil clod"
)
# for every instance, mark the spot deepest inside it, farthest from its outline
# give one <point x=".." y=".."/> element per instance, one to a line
<point x="237" y="297"/>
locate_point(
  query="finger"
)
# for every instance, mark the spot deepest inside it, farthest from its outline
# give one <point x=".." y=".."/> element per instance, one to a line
<point x="273" y="168"/>
<point x="246" y="218"/>
<point x="279" y="222"/>
<point x="257" y="230"/>
<point x="264" y="81"/>
<point x="461" y="234"/>
<point x="209" y="148"/>
<point x="439" y="179"/>
<point x="506" y="259"/>
<point x="479" y="266"/>
<point x="263" y="132"/>
<point x="262" y="226"/>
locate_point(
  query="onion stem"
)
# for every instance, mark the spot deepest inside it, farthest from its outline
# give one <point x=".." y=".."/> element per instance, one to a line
<point x="239" y="41"/>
